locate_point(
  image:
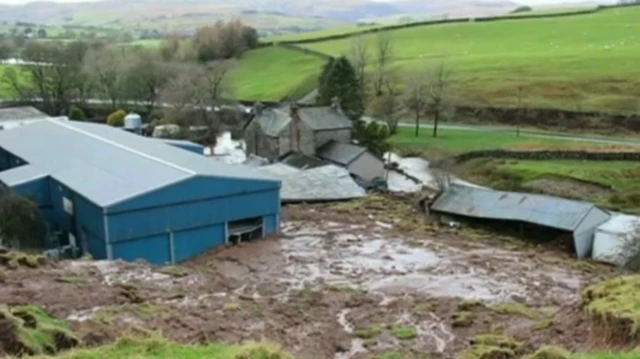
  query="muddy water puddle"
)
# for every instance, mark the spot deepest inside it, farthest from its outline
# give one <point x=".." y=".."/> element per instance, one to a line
<point x="381" y="263"/>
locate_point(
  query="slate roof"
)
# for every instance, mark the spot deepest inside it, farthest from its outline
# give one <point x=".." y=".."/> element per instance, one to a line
<point x="341" y="153"/>
<point x="108" y="165"/>
<point x="301" y="161"/>
<point x="543" y="210"/>
<point x="325" y="183"/>
<point x="274" y="120"/>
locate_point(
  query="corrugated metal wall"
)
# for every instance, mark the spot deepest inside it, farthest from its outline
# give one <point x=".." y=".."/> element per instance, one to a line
<point x="583" y="236"/>
<point x="174" y="223"/>
<point x="88" y="224"/>
<point x="184" y="215"/>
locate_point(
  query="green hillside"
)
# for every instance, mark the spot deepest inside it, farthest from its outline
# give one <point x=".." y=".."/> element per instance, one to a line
<point x="576" y="62"/>
<point x="271" y="73"/>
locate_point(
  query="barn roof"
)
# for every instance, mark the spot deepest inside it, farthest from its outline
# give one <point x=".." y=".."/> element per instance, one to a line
<point x="21" y="113"/>
<point x="108" y="165"/>
<point x="543" y="210"/>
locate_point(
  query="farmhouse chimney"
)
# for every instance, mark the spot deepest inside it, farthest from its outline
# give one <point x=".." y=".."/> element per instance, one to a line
<point x="335" y="103"/>
<point x="257" y="108"/>
<point x="295" y="126"/>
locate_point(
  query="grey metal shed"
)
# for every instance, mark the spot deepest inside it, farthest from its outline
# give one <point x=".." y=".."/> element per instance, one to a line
<point x="578" y="217"/>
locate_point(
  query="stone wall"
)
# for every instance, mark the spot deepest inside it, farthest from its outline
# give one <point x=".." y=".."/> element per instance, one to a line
<point x="549" y="155"/>
<point x="322" y="137"/>
<point x="289" y="139"/>
<point x="258" y="143"/>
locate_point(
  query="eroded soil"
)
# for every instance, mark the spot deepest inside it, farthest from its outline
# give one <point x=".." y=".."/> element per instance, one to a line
<point x="330" y="286"/>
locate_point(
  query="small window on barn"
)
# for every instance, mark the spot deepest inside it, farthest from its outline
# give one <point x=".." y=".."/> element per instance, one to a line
<point x="244" y="230"/>
<point x="67" y="205"/>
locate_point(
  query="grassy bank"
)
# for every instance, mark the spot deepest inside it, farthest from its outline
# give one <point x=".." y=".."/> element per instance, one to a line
<point x="452" y="142"/>
<point x="611" y="184"/>
<point x="561" y="62"/>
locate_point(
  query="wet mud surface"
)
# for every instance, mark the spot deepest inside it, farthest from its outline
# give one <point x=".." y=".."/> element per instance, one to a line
<point x="331" y="287"/>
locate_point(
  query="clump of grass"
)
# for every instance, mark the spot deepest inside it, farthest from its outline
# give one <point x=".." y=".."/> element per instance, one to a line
<point x="155" y="347"/>
<point x="174" y="271"/>
<point x="462" y="319"/>
<point x="30" y="330"/>
<point x="469" y="304"/>
<point x="404" y="332"/>
<point x="543" y="324"/>
<point x="15" y="260"/>
<point x="71" y="279"/>
<point x="305" y="292"/>
<point x="515" y="309"/>
<point x="344" y="288"/>
<point x="486" y="352"/>
<point x="549" y="352"/>
<point x="367" y="332"/>
<point x="615" y="302"/>
<point x="231" y="307"/>
<point x="501" y="341"/>
<point x="370" y="343"/>
<point x="390" y="355"/>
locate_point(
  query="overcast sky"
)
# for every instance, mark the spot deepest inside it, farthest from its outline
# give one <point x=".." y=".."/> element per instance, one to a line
<point x="529" y="2"/>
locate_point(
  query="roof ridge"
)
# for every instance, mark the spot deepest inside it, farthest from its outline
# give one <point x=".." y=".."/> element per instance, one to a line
<point x="131" y="150"/>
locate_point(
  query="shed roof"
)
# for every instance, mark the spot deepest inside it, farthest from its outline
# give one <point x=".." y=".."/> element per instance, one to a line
<point x="620" y="224"/>
<point x="274" y="120"/>
<point x="341" y="153"/>
<point x="21" y="113"/>
<point x="543" y="210"/>
<point x="108" y="165"/>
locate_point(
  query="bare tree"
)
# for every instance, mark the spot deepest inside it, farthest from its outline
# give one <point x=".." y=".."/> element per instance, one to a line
<point x="441" y="174"/>
<point x="438" y="94"/>
<point x="383" y="58"/>
<point x="416" y="96"/>
<point x="21" y="225"/>
<point x="105" y="69"/>
<point x="145" y="75"/>
<point x="199" y="89"/>
<point x="359" y="57"/>
<point x="520" y="110"/>
<point x="53" y="77"/>
<point x="389" y="108"/>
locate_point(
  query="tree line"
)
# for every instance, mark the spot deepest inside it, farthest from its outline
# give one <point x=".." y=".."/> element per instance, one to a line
<point x="365" y="81"/>
<point x="190" y="74"/>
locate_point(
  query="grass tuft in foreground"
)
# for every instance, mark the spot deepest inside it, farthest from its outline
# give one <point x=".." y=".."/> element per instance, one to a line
<point x="158" y="348"/>
<point x="549" y="352"/>
<point x="615" y="304"/>
<point x="29" y="330"/>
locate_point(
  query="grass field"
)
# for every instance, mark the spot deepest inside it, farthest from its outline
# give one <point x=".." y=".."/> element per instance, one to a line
<point x="577" y="62"/>
<point x="273" y="72"/>
<point x="5" y="90"/>
<point x="452" y="142"/>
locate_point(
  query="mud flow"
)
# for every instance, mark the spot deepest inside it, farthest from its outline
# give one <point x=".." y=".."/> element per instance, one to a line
<point x="322" y="289"/>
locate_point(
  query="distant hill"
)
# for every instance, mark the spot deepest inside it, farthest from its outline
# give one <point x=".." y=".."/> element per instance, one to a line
<point x="269" y="16"/>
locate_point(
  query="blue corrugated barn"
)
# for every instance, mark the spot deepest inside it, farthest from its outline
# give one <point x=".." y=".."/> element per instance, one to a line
<point x="120" y="195"/>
